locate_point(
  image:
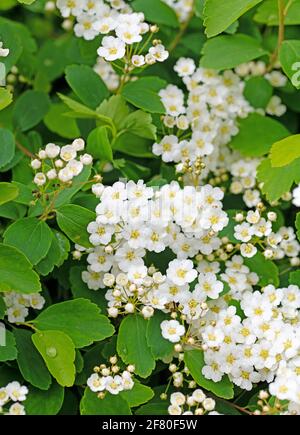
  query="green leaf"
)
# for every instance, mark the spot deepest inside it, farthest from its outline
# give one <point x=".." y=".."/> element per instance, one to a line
<point x="140" y="124"/>
<point x="58" y="352"/>
<point x="30" y="362"/>
<point x="31" y="236"/>
<point x="138" y="395"/>
<point x="258" y="92"/>
<point x="30" y="109"/>
<point x="44" y="402"/>
<point x="98" y="144"/>
<point x="7" y="141"/>
<point x="297" y="223"/>
<point x="266" y="270"/>
<point x="160" y="347"/>
<point x="257" y="134"/>
<point x="294" y="277"/>
<point x="156" y="12"/>
<point x="194" y="360"/>
<point x="57" y="254"/>
<point x="226" y="52"/>
<point x="289" y="56"/>
<point x="218" y="16"/>
<point x="86" y="84"/>
<point x="116" y="109"/>
<point x="285" y="151"/>
<point x="111" y="405"/>
<point x="6" y="98"/>
<point x="73" y="221"/>
<point x="267" y="13"/>
<point x="133" y="171"/>
<point x="277" y="181"/>
<point x="132" y="345"/>
<point x="26" y="2"/>
<point x="8" y="192"/>
<point x="80" y="290"/>
<point x="16" y="272"/>
<point x="143" y="93"/>
<point x="10" y="37"/>
<point x="132" y="145"/>
<point x="2" y="308"/>
<point x="67" y="194"/>
<point x="229" y="231"/>
<point x="80" y="110"/>
<point x="154" y="408"/>
<point x="80" y="319"/>
<point x="56" y="122"/>
<point x="9" y="351"/>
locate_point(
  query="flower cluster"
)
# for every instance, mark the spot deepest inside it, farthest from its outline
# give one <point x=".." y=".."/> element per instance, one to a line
<point x="183" y="8"/>
<point x="195" y="404"/>
<point x="17" y="305"/>
<point x="107" y="73"/>
<point x="133" y="219"/>
<point x="56" y="164"/>
<point x="13" y="392"/>
<point x="122" y="28"/>
<point x="110" y="379"/>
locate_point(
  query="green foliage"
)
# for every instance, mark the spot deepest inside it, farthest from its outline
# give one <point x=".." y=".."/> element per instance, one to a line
<point x="218" y="16"/>
<point x="31" y="236"/>
<point x="143" y="93"/>
<point x="266" y="270"/>
<point x="132" y="345"/>
<point x="8" y="352"/>
<point x="64" y="317"/>
<point x="73" y="221"/>
<point x="258" y="92"/>
<point x="8" y="192"/>
<point x="16" y="272"/>
<point x="225" y="52"/>
<point x="289" y="58"/>
<point x="45" y="402"/>
<point x="110" y="405"/>
<point x="98" y="144"/>
<point x="194" y="361"/>
<point x="257" y="134"/>
<point x="30" y="109"/>
<point x="157" y="12"/>
<point x="285" y="151"/>
<point x="58" y="351"/>
<point x="7" y="147"/>
<point x="267" y="13"/>
<point x="160" y="347"/>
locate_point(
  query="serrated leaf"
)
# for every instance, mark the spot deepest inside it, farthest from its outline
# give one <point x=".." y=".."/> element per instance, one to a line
<point x="16" y="272"/>
<point x="8" y="352"/>
<point x="111" y="405"/>
<point x="140" y="124"/>
<point x="6" y="98"/>
<point x="132" y="345"/>
<point x="58" y="352"/>
<point x="56" y="122"/>
<point x="258" y="91"/>
<point x="31" y="236"/>
<point x="44" y="402"/>
<point x="267" y="13"/>
<point x="257" y="134"/>
<point x="277" y="181"/>
<point x="80" y="319"/>
<point x="218" y="16"/>
<point x="285" y="151"/>
<point x="73" y="221"/>
<point x="98" y="144"/>
<point x="194" y="360"/>
<point x="226" y="52"/>
<point x="30" y="362"/>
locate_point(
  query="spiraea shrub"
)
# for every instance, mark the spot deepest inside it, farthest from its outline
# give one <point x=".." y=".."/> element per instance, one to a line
<point x="149" y="195"/>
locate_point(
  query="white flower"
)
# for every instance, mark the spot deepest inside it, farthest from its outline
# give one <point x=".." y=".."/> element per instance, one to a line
<point x="174" y="410"/>
<point x="248" y="250"/>
<point x="159" y="53"/>
<point x="52" y="174"/>
<point x="177" y="399"/>
<point x="172" y="330"/>
<point x="208" y="286"/>
<point x="168" y="148"/>
<point x="78" y="144"/>
<point x="17" y="313"/>
<point x="96" y="383"/>
<point x="185" y="67"/>
<point x="86" y="159"/>
<point x="208" y="404"/>
<point x="4" y="397"/>
<point x="136" y="274"/>
<point x="127" y="34"/>
<point x="138" y="60"/>
<point x="68" y="152"/>
<point x="16" y="391"/>
<point x="52" y="150"/>
<point x="36" y="164"/>
<point x="181" y="272"/>
<point x="112" y="48"/>
<point x="40" y="179"/>
<point x="17" y="409"/>
<point x="114" y="384"/>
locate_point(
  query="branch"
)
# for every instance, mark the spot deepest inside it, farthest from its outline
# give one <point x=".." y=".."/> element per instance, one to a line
<point x="25" y="150"/>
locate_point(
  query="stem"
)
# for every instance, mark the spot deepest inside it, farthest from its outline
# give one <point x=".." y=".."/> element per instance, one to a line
<point x="282" y="12"/>
<point x="25" y="150"/>
<point x="29" y="325"/>
<point x="182" y="30"/>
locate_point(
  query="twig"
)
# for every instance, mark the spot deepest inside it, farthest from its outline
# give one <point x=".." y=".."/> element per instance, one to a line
<point x="282" y="13"/>
<point x="25" y="150"/>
